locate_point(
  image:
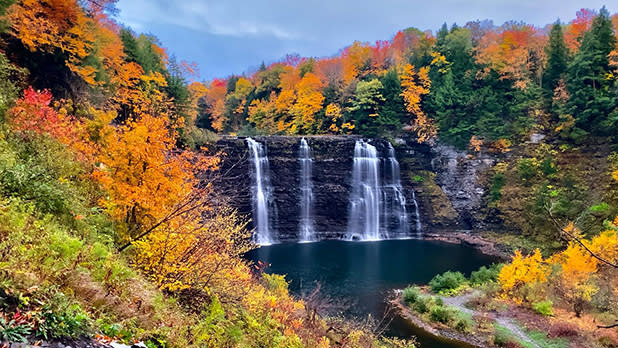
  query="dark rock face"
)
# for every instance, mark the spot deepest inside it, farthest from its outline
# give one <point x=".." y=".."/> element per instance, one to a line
<point x="448" y="184"/>
<point x="332" y="172"/>
<point x="459" y="177"/>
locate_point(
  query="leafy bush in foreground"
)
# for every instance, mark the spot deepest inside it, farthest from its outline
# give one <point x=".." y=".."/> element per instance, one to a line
<point x="485" y="274"/>
<point x="441" y="314"/>
<point x="544" y="308"/>
<point x="12" y="330"/>
<point x="447" y="282"/>
<point x="411" y="294"/>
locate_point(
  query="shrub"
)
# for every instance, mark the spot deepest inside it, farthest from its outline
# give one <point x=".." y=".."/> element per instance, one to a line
<point x="438" y="301"/>
<point x="485" y="274"/>
<point x="608" y="342"/>
<point x="13" y="331"/>
<point x="421" y="305"/>
<point x="562" y="330"/>
<point x="60" y="319"/>
<point x="544" y="308"/>
<point x="527" y="168"/>
<point x="463" y="325"/>
<point x="600" y="208"/>
<point x="447" y="282"/>
<point x="548" y="167"/>
<point x="411" y="294"/>
<point x="495" y="189"/>
<point x="503" y="337"/>
<point x="441" y="314"/>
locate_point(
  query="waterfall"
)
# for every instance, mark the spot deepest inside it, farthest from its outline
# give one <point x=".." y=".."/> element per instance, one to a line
<point x="261" y="191"/>
<point x="306" y="232"/>
<point x="364" y="213"/>
<point x="419" y="227"/>
<point x="395" y="214"/>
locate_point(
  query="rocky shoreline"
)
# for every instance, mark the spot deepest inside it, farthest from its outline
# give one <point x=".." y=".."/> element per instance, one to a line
<point x="437" y="331"/>
<point x="473" y="240"/>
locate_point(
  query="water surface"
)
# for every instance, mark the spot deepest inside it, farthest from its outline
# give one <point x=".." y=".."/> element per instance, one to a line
<point x="359" y="275"/>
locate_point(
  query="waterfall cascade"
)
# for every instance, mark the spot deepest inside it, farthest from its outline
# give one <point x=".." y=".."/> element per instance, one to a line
<point x="419" y="227"/>
<point x="394" y="201"/>
<point x="377" y="203"/>
<point x="364" y="213"/>
<point x="261" y="193"/>
<point x="306" y="231"/>
<point x="377" y="207"/>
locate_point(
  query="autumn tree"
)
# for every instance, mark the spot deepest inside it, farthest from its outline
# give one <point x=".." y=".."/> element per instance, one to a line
<point x="576" y="28"/>
<point x="237" y="101"/>
<point x="144" y="179"/>
<point x="356" y="59"/>
<point x="262" y="114"/>
<point x="415" y="85"/>
<point x="513" y="52"/>
<point x="577" y="268"/>
<point x="56" y="26"/>
<point x="215" y="106"/>
<point x="309" y="100"/>
<point x="522" y="273"/>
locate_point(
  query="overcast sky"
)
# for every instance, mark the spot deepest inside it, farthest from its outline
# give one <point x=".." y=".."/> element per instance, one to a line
<point x="232" y="36"/>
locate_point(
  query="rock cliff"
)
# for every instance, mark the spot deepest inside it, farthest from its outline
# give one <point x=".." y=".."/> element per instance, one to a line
<point x="445" y="182"/>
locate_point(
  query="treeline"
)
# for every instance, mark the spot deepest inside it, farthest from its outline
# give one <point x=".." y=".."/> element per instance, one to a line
<point x="478" y="82"/>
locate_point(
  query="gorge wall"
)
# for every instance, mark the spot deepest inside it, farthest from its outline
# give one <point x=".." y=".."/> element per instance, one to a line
<point x="444" y="182"/>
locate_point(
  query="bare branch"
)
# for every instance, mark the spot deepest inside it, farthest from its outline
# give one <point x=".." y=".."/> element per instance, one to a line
<point x="571" y="237"/>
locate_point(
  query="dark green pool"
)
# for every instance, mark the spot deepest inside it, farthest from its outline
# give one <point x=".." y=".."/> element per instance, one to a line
<point x="359" y="275"/>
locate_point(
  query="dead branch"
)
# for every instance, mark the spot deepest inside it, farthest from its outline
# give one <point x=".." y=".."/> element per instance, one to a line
<point x="571" y="237"/>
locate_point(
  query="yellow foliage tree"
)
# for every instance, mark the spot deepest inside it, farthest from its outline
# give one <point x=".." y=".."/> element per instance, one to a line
<point x="192" y="252"/>
<point x="333" y="112"/>
<point x="309" y="101"/>
<point x="522" y="271"/>
<point x="415" y="86"/>
<point x="262" y="113"/>
<point x="574" y="277"/>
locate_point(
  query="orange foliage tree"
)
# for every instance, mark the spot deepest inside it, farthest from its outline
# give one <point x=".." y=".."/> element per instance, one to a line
<point x="144" y="178"/>
<point x="576" y="29"/>
<point x="215" y="99"/>
<point x="50" y="25"/>
<point x="512" y="51"/>
<point x="355" y="58"/>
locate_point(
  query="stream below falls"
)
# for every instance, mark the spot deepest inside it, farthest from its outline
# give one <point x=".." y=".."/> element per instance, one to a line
<point x="358" y="276"/>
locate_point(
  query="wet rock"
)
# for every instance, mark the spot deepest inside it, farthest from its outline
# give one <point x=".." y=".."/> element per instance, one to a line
<point x="332" y="170"/>
<point x="459" y="177"/>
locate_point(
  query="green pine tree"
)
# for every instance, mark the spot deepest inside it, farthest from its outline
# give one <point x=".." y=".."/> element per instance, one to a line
<point x="557" y="58"/>
<point x="592" y="92"/>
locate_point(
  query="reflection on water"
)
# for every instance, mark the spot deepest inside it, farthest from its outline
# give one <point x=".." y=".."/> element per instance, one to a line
<point x="360" y="274"/>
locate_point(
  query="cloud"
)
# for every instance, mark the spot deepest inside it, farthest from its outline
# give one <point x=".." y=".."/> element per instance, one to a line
<point x="229" y="36"/>
<point x="200" y="16"/>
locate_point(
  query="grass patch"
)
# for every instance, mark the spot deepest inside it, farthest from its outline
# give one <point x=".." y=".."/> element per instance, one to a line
<point x="541" y="339"/>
